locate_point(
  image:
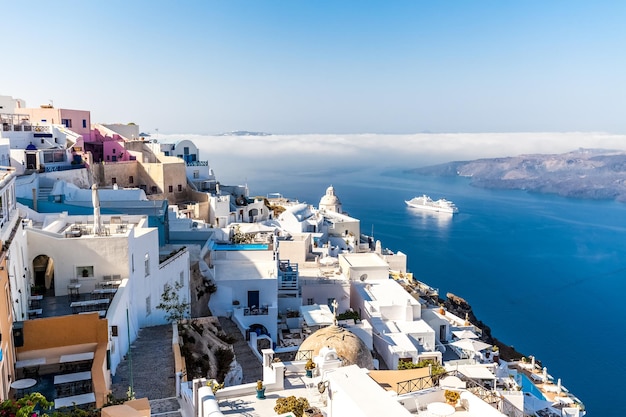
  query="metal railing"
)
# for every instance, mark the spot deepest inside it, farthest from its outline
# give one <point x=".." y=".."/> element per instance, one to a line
<point x="197" y="164"/>
<point x="303" y="355"/>
<point x="487" y="395"/>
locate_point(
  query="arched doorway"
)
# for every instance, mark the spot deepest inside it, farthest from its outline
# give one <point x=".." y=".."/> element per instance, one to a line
<point x="43" y="268"/>
<point x="259" y="329"/>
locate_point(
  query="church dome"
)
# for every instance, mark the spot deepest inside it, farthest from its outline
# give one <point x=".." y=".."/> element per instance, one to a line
<point x="350" y="349"/>
<point x="330" y="201"/>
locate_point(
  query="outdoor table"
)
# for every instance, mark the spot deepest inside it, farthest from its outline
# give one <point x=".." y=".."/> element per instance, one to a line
<point x="113" y="283"/>
<point x="35" y="300"/>
<point x="25" y="363"/>
<point x="73" y="290"/>
<point x="76" y="357"/>
<point x="67" y="378"/>
<point x="75" y="400"/>
<point x="35" y="312"/>
<point x="440" y="409"/>
<point x="23" y="384"/>
<point x="88" y="305"/>
<point x="103" y="293"/>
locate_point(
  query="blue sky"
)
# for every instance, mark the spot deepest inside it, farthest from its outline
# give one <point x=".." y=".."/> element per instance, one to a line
<point x="323" y="66"/>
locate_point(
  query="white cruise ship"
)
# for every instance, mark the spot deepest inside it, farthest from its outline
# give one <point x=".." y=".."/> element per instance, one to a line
<point x="426" y="203"/>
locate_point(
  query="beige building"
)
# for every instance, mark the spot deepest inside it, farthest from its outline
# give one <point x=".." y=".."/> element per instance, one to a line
<point x="160" y="176"/>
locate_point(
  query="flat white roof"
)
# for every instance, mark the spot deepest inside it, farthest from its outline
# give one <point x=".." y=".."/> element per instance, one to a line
<point x="416" y="326"/>
<point x="368" y="259"/>
<point x="364" y="392"/>
<point x="244" y="270"/>
<point x="317" y="315"/>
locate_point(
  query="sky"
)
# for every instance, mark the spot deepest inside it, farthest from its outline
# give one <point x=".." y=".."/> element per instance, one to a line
<point x="334" y="67"/>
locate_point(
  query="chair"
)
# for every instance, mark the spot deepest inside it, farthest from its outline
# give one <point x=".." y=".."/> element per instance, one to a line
<point x="31" y="372"/>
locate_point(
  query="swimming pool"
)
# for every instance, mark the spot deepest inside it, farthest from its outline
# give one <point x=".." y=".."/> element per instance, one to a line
<point x="241" y="246"/>
<point x="528" y="386"/>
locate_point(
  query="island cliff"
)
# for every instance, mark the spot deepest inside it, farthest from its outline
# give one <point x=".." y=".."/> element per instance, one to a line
<point x="584" y="173"/>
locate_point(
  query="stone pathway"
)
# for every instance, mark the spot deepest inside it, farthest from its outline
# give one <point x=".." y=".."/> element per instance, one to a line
<point x="251" y="366"/>
<point x="153" y="371"/>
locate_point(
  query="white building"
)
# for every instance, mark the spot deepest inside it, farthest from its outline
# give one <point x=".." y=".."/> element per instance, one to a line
<point x="246" y="279"/>
<point x="71" y="257"/>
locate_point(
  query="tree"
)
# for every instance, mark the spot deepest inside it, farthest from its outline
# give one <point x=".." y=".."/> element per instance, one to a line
<point x="175" y="309"/>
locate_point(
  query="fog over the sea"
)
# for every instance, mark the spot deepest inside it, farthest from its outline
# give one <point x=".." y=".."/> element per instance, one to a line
<point x="238" y="159"/>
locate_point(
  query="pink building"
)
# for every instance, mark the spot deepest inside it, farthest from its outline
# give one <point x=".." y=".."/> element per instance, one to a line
<point x="78" y="121"/>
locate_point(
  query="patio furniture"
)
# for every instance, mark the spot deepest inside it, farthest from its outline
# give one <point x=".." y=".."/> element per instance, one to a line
<point x="30" y="362"/>
<point x="73" y="289"/>
<point x="21" y="385"/>
<point x="72" y="384"/>
<point x="438" y="409"/>
<point x="35" y="301"/>
<point x="31" y="372"/>
<point x="80" y="399"/>
<point x="35" y="312"/>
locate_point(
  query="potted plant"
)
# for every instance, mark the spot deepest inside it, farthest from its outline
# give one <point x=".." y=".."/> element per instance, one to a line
<point x="308" y="367"/>
<point x="260" y="389"/>
<point x="451" y="396"/>
<point x="292" y="404"/>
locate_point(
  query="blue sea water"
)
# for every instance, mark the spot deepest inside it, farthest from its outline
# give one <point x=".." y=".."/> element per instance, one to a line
<point x="545" y="273"/>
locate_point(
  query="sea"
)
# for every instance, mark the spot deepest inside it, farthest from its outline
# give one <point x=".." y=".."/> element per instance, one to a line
<point x="546" y="273"/>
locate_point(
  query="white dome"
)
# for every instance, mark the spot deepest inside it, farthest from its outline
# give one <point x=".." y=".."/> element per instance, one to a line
<point x="330" y="201"/>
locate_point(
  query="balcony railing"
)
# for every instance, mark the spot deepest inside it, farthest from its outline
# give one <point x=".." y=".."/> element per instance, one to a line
<point x="197" y="163"/>
<point x="56" y="168"/>
<point x="255" y="311"/>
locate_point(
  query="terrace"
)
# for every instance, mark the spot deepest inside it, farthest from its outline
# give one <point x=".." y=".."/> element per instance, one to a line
<point x="66" y="366"/>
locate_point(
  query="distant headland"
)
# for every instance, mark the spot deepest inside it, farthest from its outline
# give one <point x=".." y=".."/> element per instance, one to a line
<point x="584" y="173"/>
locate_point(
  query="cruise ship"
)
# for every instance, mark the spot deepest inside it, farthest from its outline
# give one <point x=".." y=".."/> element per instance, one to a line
<point x="426" y="203"/>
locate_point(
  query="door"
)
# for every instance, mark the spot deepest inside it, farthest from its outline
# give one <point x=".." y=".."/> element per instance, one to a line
<point x="253" y="299"/>
<point x="31" y="161"/>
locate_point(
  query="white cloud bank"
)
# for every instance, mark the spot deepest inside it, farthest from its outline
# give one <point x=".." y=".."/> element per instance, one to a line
<point x="238" y="157"/>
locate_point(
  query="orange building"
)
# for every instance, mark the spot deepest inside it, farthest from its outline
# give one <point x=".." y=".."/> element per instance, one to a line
<point x="45" y="341"/>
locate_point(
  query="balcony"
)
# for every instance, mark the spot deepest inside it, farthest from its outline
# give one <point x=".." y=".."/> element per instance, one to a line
<point x="287" y="276"/>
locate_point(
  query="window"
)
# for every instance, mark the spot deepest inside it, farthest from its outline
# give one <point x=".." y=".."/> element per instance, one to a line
<point x="113" y="150"/>
<point x="113" y="179"/>
<point x="84" y="271"/>
<point x="131" y="179"/>
<point x="182" y="278"/>
<point x="148" y="306"/>
<point x="171" y="188"/>
<point x="310" y="301"/>
<point x="180" y="188"/>
<point x="53" y="156"/>
<point x="147" y="264"/>
<point x="196" y="174"/>
<point x="66" y="122"/>
<point x="186" y="150"/>
<point x="108" y="158"/>
<point x="84" y="123"/>
<point x="9" y="303"/>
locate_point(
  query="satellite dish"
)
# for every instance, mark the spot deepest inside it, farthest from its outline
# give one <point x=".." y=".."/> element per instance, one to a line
<point x="363" y="277"/>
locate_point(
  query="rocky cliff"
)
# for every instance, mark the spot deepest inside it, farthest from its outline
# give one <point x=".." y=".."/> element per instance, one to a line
<point x="584" y="173"/>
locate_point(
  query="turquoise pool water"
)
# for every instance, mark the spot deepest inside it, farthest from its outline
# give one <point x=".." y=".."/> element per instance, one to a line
<point x="242" y="246"/>
<point x="528" y="386"/>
